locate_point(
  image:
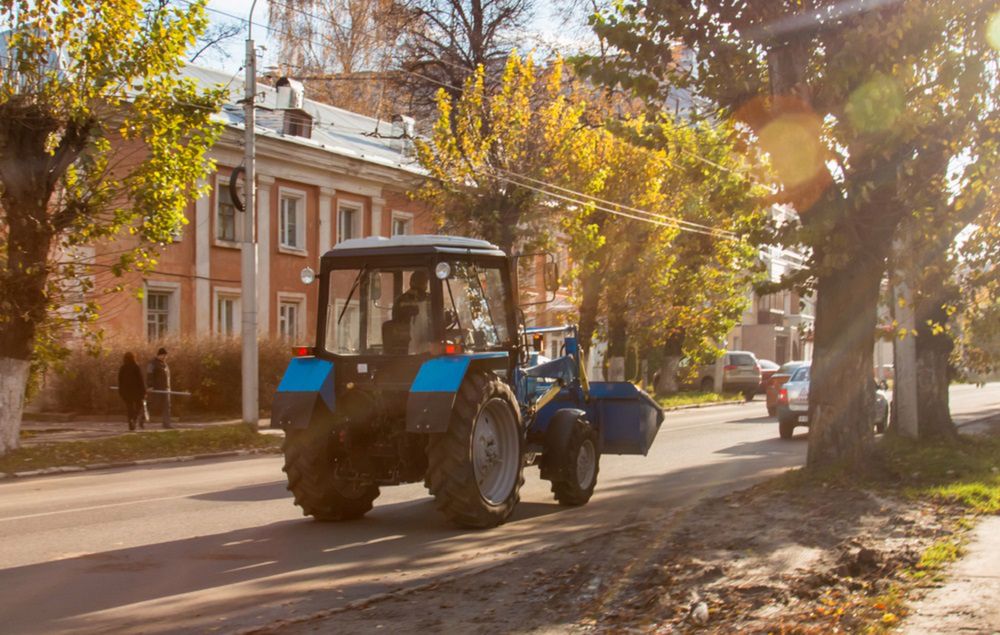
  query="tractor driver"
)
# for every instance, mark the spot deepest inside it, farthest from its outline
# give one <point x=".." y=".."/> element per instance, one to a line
<point x="411" y="309"/>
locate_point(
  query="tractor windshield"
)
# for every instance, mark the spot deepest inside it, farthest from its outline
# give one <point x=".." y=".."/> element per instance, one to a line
<point x="475" y="312"/>
<point x="379" y="311"/>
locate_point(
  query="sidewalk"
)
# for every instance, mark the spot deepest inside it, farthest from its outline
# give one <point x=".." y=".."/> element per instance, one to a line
<point x="969" y="600"/>
<point x="86" y="430"/>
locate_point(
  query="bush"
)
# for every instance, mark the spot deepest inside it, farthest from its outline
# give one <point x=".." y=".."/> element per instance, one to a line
<point x="208" y="368"/>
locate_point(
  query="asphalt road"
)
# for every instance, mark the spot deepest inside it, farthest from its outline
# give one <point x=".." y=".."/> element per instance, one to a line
<point x="218" y="545"/>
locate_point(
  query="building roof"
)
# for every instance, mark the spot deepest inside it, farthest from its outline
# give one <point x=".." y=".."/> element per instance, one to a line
<point x="334" y="130"/>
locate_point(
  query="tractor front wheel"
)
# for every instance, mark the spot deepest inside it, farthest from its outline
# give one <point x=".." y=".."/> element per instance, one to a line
<point x="313" y="482"/>
<point x="581" y="463"/>
<point x="475" y="468"/>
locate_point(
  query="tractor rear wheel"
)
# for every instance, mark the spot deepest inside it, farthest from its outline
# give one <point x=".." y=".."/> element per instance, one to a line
<point x="581" y="463"/>
<point x="475" y="469"/>
<point x="313" y="482"/>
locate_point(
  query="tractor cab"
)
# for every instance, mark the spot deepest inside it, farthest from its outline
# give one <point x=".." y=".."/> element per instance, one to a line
<point x="415" y="296"/>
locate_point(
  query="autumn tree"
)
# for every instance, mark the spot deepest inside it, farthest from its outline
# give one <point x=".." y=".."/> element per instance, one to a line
<point x="344" y="50"/>
<point x="98" y="135"/>
<point x="858" y="106"/>
<point x="483" y="146"/>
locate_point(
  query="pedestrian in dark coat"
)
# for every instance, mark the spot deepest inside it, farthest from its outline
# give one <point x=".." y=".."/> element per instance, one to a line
<point x="158" y="374"/>
<point x="132" y="390"/>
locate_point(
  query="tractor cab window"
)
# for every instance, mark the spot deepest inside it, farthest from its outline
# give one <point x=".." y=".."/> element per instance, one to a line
<point x="475" y="313"/>
<point x="379" y="311"/>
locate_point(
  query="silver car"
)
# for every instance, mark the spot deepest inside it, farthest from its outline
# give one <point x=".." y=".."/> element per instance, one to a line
<point x="793" y="404"/>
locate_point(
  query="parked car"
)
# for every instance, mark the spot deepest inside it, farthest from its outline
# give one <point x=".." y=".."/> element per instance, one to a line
<point x="740" y="373"/>
<point x="767" y="368"/>
<point x="793" y="404"/>
<point x="774" y="383"/>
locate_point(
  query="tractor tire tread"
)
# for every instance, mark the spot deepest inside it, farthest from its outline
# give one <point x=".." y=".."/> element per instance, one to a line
<point x="312" y="482"/>
<point x="567" y="491"/>
<point x="450" y="478"/>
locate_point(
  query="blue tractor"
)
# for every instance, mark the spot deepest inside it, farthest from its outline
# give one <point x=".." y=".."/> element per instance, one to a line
<point x="420" y="372"/>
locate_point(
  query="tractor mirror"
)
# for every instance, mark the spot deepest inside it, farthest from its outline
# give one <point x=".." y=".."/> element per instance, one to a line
<point x="375" y="287"/>
<point x="552" y="277"/>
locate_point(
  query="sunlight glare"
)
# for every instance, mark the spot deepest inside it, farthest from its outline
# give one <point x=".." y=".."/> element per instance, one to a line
<point x="993" y="31"/>
<point x="875" y="105"/>
<point x="793" y="141"/>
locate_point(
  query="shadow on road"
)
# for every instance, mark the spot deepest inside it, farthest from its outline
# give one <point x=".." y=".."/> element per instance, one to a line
<point x="302" y="565"/>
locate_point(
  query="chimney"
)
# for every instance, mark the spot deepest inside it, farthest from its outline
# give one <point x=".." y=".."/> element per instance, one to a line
<point x="290" y="100"/>
<point x="403" y="131"/>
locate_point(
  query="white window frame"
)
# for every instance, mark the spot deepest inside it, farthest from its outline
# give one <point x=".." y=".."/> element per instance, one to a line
<point x="357" y="226"/>
<point x="406" y="217"/>
<point x="300" y="300"/>
<point x="173" y="290"/>
<point x="220" y="184"/>
<point x="227" y="293"/>
<point x="299" y="196"/>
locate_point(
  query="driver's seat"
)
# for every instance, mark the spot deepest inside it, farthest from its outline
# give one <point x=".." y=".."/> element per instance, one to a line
<point x="396" y="336"/>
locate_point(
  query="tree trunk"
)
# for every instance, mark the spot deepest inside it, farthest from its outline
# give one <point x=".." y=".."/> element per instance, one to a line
<point x="841" y="395"/>
<point x="666" y="379"/>
<point x="13" y="379"/>
<point x="933" y="350"/>
<point x="590" y="286"/>
<point x="617" y="342"/>
<point x="28" y="172"/>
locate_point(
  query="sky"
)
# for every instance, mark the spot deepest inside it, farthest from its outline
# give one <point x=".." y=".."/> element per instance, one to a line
<point x="548" y="26"/>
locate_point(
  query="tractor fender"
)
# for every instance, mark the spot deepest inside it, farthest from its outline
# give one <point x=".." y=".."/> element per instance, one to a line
<point x="432" y="393"/>
<point x="306" y="385"/>
<point x="557" y="439"/>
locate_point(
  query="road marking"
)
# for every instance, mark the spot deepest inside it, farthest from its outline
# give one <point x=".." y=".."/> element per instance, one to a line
<point x="362" y="543"/>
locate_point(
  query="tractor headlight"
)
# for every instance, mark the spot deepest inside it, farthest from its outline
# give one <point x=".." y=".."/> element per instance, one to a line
<point x="442" y="270"/>
<point x="307" y="275"/>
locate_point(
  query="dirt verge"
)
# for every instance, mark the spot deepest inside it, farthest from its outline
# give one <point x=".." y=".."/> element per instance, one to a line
<point x="811" y="559"/>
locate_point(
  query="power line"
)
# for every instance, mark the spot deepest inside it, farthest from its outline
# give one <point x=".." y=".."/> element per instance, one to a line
<point x="670" y="219"/>
<point x="615" y="212"/>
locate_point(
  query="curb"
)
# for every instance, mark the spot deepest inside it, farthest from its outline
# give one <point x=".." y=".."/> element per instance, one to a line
<point x="70" y="469"/>
<point x="705" y="405"/>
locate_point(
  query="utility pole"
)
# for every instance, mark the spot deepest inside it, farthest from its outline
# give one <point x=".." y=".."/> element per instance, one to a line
<point x="248" y="254"/>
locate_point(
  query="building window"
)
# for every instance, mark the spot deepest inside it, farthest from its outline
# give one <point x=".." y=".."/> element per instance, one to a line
<point x="402" y="224"/>
<point x="288" y="319"/>
<point x="291" y="225"/>
<point x="225" y="213"/>
<point x="227" y="315"/>
<point x="157" y="314"/>
<point x="348" y="223"/>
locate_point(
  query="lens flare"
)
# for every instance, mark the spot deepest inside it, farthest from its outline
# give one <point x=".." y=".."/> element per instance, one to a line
<point x="793" y="141"/>
<point x="993" y="31"/>
<point x="876" y="105"/>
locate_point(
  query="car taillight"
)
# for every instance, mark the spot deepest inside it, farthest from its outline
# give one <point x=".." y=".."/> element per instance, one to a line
<point x="303" y="351"/>
<point x="729" y="367"/>
<point x="783" y="396"/>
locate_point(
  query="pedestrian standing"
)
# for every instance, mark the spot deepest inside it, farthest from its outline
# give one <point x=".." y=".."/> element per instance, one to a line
<point x="132" y="390"/>
<point x="158" y="375"/>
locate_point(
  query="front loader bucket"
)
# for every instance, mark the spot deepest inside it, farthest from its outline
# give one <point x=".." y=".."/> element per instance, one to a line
<point x="628" y="418"/>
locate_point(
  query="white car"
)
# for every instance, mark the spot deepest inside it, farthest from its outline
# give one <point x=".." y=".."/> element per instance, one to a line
<point x="793" y="404"/>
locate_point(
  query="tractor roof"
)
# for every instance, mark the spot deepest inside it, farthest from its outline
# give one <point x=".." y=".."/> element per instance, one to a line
<point x="415" y="244"/>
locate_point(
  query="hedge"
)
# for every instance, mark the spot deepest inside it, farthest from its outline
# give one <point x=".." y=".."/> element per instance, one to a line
<point x="208" y="368"/>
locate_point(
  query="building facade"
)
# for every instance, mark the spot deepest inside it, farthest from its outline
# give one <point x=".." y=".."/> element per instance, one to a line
<point x="323" y="175"/>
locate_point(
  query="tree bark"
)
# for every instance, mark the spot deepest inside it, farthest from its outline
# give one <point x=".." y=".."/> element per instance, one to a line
<point x="841" y="395"/>
<point x="933" y="351"/>
<point x="13" y="379"/>
<point x="590" y="287"/>
<point x="617" y="341"/>
<point x="28" y="173"/>
<point x="666" y="378"/>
